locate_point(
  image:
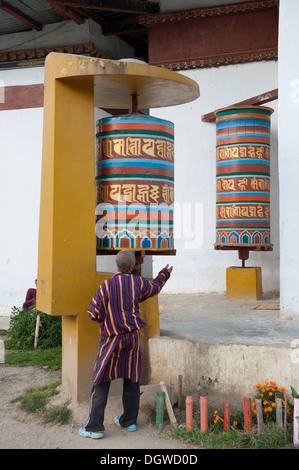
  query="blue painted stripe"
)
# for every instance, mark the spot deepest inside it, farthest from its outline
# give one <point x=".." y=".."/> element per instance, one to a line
<point x="121" y="133"/>
<point x="245" y="193"/>
<point x="243" y="136"/>
<point x="135" y="162"/>
<point x="130" y="178"/>
<point x="227" y="123"/>
<point x="240" y="220"/>
<point x="244" y="161"/>
<point x="249" y="175"/>
<point x="135" y="223"/>
<point x="149" y="120"/>
<point x="135" y="207"/>
<point x="241" y="203"/>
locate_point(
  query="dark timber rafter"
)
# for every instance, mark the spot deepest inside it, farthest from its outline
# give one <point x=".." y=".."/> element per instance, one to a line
<point x="127" y="6"/>
<point x="21" y="16"/>
<point x="72" y="15"/>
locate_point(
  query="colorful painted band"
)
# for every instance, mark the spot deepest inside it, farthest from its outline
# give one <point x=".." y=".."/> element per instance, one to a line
<point x="245" y="237"/>
<point x="243" y="176"/>
<point x="135" y="182"/>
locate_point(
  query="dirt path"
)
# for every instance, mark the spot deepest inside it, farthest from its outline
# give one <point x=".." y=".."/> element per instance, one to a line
<point x="22" y="430"/>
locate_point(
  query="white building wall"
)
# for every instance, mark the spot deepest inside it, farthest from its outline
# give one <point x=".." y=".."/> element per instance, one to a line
<point x="288" y="154"/>
<point x="197" y="266"/>
<point x="20" y="154"/>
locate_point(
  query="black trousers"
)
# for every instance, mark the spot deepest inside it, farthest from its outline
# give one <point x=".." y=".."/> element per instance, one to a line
<point x="99" y="396"/>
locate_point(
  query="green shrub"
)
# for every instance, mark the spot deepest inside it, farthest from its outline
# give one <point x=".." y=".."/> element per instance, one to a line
<point x="22" y="329"/>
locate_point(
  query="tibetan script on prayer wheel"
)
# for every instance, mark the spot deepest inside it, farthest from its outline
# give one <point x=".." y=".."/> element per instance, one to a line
<point x="134" y="183"/>
<point x="243" y="178"/>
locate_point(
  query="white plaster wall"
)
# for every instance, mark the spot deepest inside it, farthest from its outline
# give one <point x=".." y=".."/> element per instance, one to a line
<point x="197" y="266"/>
<point x="20" y="154"/>
<point x="288" y="154"/>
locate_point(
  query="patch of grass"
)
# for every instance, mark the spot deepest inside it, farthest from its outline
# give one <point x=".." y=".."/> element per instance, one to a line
<point x="57" y="415"/>
<point x="50" y="358"/>
<point x="272" y="437"/>
<point x="3" y="332"/>
<point x="34" y="400"/>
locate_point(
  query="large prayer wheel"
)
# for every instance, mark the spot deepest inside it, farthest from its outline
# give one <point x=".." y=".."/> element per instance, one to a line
<point x="243" y="179"/>
<point x="134" y="183"/>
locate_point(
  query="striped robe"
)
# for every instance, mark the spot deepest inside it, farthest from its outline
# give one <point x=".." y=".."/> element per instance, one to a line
<point x="116" y="307"/>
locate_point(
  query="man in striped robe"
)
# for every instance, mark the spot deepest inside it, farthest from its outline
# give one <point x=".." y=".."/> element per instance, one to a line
<point x="116" y="307"/>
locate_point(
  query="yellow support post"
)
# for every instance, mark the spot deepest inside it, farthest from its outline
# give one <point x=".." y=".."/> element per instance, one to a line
<point x="67" y="277"/>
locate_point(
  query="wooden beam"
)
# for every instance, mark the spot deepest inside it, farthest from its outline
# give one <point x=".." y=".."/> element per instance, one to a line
<point x="128" y="6"/>
<point x="254" y="101"/>
<point x="72" y="15"/>
<point x="21" y="16"/>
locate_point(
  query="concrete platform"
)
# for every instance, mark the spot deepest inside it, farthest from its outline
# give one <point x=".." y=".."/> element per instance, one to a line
<point x="210" y="318"/>
<point x="207" y="335"/>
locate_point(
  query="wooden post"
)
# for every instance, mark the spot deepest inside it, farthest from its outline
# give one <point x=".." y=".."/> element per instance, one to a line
<point x="203" y="401"/>
<point x="171" y="394"/>
<point x="245" y="410"/>
<point x="278" y="402"/>
<point x="247" y="414"/>
<point x="36" y="330"/>
<point x="226" y="420"/>
<point x="259" y="416"/>
<point x="180" y="391"/>
<point x="295" y="422"/>
<point x="189" y="412"/>
<point x="250" y="413"/>
<point x="285" y="418"/>
<point x="160" y="410"/>
<point x="168" y="404"/>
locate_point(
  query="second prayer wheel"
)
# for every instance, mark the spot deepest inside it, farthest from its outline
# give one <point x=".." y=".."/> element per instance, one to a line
<point x="134" y="183"/>
<point x="243" y="178"/>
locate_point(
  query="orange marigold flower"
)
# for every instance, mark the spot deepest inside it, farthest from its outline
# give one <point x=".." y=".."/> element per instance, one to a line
<point x="265" y="410"/>
<point x="215" y="412"/>
<point x="266" y="383"/>
<point x="262" y="394"/>
<point x="254" y="412"/>
<point x="270" y="409"/>
<point x="270" y="394"/>
<point x="265" y="402"/>
<point x="235" y="423"/>
<point x="258" y="385"/>
<point x="253" y="405"/>
<point x="215" y="421"/>
<point x="272" y="383"/>
<point x="263" y="390"/>
<point x="282" y="388"/>
<point x="267" y="388"/>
